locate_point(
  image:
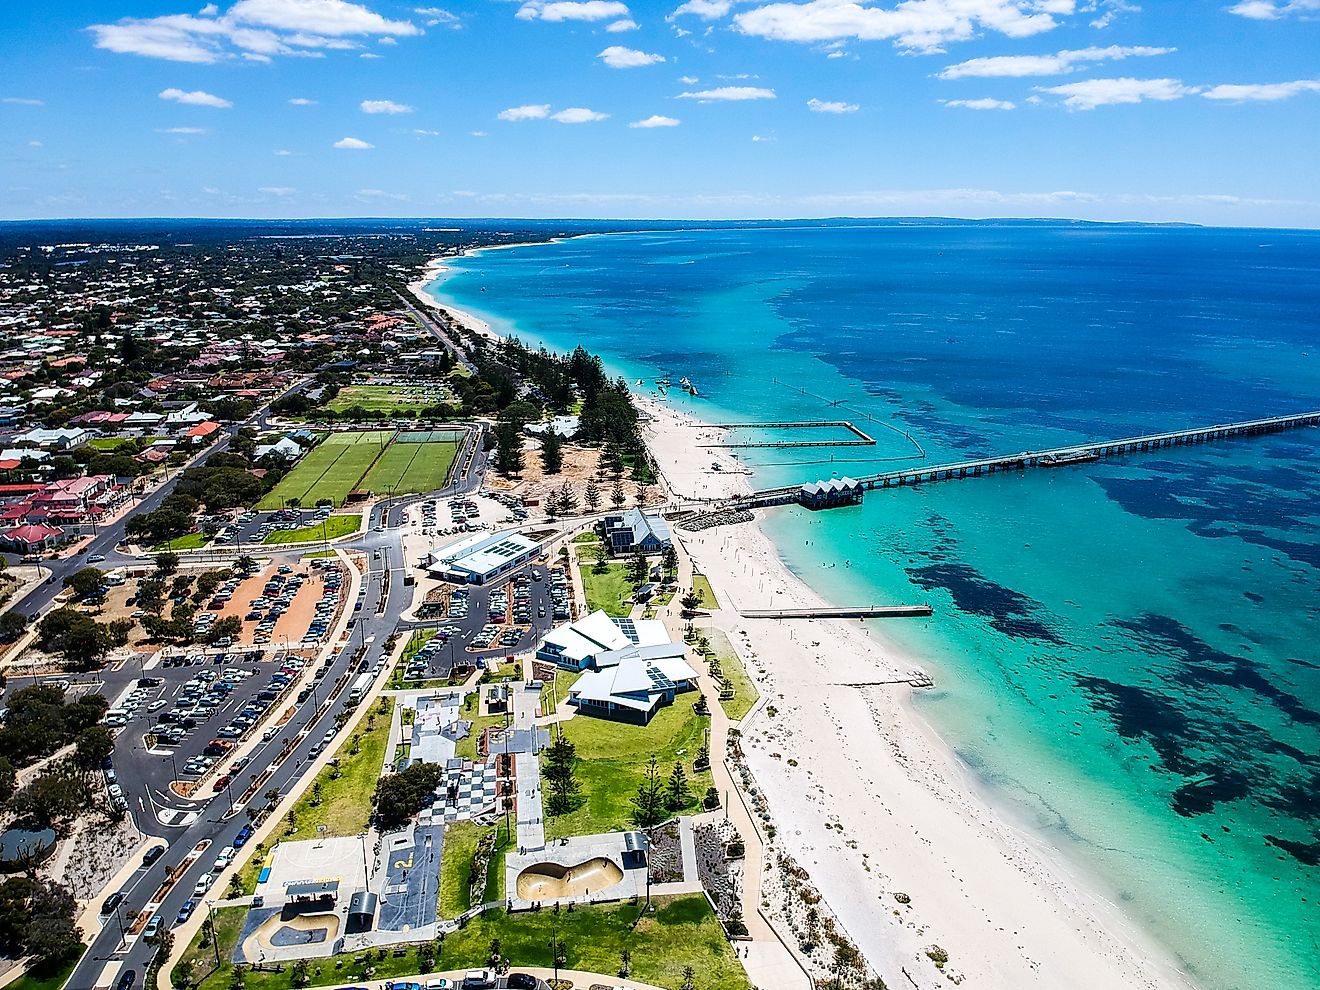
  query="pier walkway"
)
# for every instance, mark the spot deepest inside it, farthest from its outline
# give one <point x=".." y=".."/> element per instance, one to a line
<point x="859" y="437"/>
<point x="861" y="612"/>
<point x="1057" y="457"/>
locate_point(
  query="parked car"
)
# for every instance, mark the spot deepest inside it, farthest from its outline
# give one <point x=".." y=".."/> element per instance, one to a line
<point x="521" y="981"/>
<point x="185" y="912"/>
<point x="112" y="902"/>
<point x="152" y="927"/>
<point x="152" y="854"/>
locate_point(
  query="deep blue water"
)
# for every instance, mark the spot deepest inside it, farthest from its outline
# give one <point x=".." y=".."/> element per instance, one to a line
<point x="1125" y="652"/>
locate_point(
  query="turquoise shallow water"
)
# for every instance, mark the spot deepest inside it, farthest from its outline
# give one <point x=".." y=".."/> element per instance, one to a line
<point x="1125" y="651"/>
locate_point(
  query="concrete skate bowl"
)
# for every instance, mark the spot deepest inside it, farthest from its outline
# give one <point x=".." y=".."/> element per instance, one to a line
<point x="554" y="881"/>
<point x="278" y="933"/>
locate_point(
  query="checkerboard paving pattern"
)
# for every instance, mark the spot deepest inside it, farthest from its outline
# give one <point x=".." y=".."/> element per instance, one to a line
<point x="468" y="792"/>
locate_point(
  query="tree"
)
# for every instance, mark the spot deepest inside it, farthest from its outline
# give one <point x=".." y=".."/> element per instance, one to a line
<point x="167" y="563"/>
<point x="52" y="800"/>
<point x="183" y="976"/>
<point x="677" y="794"/>
<point x="691" y="602"/>
<point x="230" y="626"/>
<point x="561" y="781"/>
<point x="117" y="631"/>
<point x="93" y="745"/>
<point x="617" y="496"/>
<point x="567" y="499"/>
<point x="648" y="805"/>
<point x="641" y="494"/>
<point x="79" y="639"/>
<point x="613" y="460"/>
<point x="599" y="554"/>
<point x="401" y="795"/>
<point x="638" y="567"/>
<point x="301" y="974"/>
<point x="592" y="496"/>
<point x="86" y="583"/>
<point x="8" y="779"/>
<point x="12" y="626"/>
<point x="669" y="560"/>
<point x="245" y="563"/>
<point x="508" y="450"/>
<point x="552" y="454"/>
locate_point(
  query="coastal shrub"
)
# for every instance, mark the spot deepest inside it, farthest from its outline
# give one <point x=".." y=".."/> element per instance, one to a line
<point x="937" y="955"/>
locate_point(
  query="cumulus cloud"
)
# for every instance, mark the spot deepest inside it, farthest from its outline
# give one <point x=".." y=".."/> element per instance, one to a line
<point x="182" y="130"/>
<point x="23" y="101"/>
<point x="1273" y="10"/>
<point x="655" y="120"/>
<point x="925" y="25"/>
<point x="577" y="115"/>
<point x="439" y="17"/>
<point x="618" y="57"/>
<point x="195" y="98"/>
<point x="985" y="103"/>
<point x="384" y="106"/>
<point x="723" y="94"/>
<point x="1262" y="92"/>
<point x="708" y="10"/>
<point x="531" y="111"/>
<point x="251" y="29"/>
<point x="1060" y="63"/>
<point x="572" y="10"/>
<point x="831" y="106"/>
<point x="1091" y="93"/>
<point x="353" y="144"/>
<point x="302" y="101"/>
<point x="618" y="27"/>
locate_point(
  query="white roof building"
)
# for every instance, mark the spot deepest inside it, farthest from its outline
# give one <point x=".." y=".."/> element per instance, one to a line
<point x="580" y="645"/>
<point x="634" y="683"/>
<point x="481" y="557"/>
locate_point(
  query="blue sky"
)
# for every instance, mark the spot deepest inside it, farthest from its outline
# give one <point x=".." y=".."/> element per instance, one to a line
<point x="1106" y="109"/>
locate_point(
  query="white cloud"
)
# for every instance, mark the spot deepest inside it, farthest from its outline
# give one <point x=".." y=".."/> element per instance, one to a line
<point x="195" y="98"/>
<point x="283" y="153"/>
<point x="183" y="130"/>
<point x="578" y="115"/>
<point x="439" y="17"/>
<point x="423" y="132"/>
<point x="352" y="144"/>
<point x="655" y="120"/>
<point x="277" y="190"/>
<point x="380" y="194"/>
<point x="1273" y="10"/>
<point x="831" y="106"/>
<point x="531" y="111"/>
<point x="729" y="93"/>
<point x="618" y="57"/>
<point x="23" y="101"/>
<point x="1110" y="11"/>
<point x="478" y="134"/>
<point x="708" y="10"/>
<point x="1017" y="66"/>
<point x="1262" y="92"/>
<point x="252" y="29"/>
<point x="384" y="106"/>
<point x="618" y="27"/>
<point x="572" y="10"/>
<point x="302" y="101"/>
<point x="984" y="103"/>
<point x="919" y="24"/>
<point x="763" y="139"/>
<point x="35" y="144"/>
<point x="1091" y="93"/>
<point x="688" y="80"/>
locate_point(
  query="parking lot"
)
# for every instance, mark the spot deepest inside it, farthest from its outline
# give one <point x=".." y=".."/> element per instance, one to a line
<point x="282" y="604"/>
<point x="178" y="721"/>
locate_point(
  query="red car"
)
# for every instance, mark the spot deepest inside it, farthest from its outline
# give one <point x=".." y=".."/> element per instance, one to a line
<point x="221" y="782"/>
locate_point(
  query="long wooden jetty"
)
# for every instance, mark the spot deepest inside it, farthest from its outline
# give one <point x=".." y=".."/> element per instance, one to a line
<point x="860" y="612"/>
<point x="1056" y="457"/>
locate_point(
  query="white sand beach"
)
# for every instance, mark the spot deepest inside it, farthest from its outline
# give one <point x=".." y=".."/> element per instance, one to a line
<point x="872" y="803"/>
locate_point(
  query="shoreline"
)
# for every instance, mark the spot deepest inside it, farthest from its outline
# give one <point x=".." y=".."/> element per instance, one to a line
<point x="867" y="796"/>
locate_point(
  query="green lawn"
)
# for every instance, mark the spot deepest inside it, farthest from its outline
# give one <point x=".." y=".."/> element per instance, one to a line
<point x="46" y="977"/>
<point x="189" y="541"/>
<point x="609" y="590"/>
<point x="388" y="398"/>
<point x="735" y="676"/>
<point x="681" y="932"/>
<point x="317" y="554"/>
<point x="412" y="467"/>
<point x="456" y="868"/>
<point x="329" y="529"/>
<point x="107" y="444"/>
<point x="612" y="757"/>
<point x="701" y="585"/>
<point x="330" y="470"/>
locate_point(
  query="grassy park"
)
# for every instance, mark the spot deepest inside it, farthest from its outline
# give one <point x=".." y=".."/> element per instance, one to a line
<point x="681" y="932"/>
<point x="612" y="759"/>
<point x="408" y="468"/>
<point x="189" y="541"/>
<point x="610" y="590"/>
<point x="330" y="470"/>
<point x="396" y="399"/>
<point x="328" y="529"/>
<point x="736" y="680"/>
<point x="701" y="585"/>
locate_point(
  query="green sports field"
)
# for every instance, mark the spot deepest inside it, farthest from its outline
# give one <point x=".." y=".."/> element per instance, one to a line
<point x="388" y="398"/>
<point x="412" y="467"/>
<point x="330" y="470"/>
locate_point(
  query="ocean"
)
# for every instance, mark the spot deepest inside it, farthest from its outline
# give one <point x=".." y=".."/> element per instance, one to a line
<point x="1125" y="652"/>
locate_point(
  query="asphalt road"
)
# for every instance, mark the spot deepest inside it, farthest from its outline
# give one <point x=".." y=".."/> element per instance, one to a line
<point x="378" y="617"/>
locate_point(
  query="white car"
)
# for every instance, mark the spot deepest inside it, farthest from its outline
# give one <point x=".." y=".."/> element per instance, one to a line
<point x="96" y="558"/>
<point x="203" y="885"/>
